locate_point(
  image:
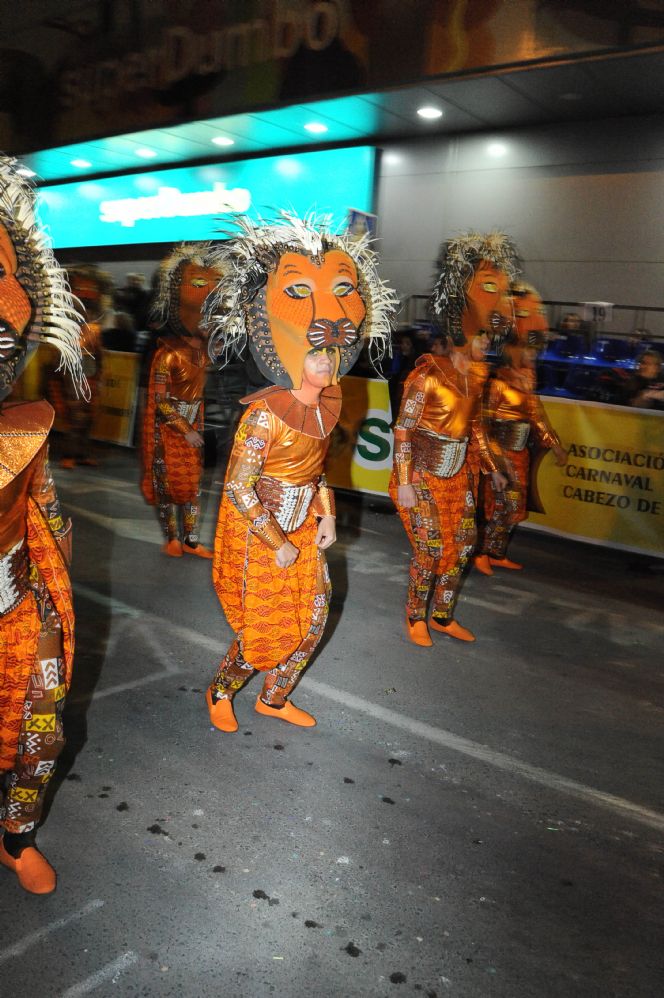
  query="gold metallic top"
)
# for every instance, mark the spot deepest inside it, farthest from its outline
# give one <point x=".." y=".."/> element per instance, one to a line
<point x="266" y="445"/>
<point x="511" y="397"/>
<point x="179" y="374"/>
<point x="24" y="429"/>
<point x="440" y="400"/>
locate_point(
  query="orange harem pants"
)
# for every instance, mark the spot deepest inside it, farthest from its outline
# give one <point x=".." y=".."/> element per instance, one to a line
<point x="278" y="614"/>
<point x="504" y="510"/>
<point x="32" y="698"/>
<point x="442" y="533"/>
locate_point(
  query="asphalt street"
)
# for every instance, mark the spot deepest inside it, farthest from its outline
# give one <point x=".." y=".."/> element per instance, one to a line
<point x="469" y="820"/>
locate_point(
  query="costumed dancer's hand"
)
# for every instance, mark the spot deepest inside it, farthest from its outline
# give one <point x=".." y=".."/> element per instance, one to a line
<point x="500" y="481"/>
<point x="327" y="532"/>
<point x="406" y="496"/>
<point x="560" y="455"/>
<point x="286" y="555"/>
<point x="194" y="438"/>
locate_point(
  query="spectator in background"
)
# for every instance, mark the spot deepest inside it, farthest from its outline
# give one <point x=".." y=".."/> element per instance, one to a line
<point x="404" y="356"/>
<point x="134" y="298"/>
<point x="645" y="387"/>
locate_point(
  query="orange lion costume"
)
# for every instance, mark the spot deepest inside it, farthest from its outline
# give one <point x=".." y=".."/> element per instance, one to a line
<point x="513" y="413"/>
<point x="306" y="299"/>
<point x="36" y="617"/>
<point x="439" y="435"/>
<point x="172" y="438"/>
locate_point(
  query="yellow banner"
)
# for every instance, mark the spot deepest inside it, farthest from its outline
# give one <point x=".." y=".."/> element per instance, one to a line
<point x="118" y="398"/>
<point x="611" y="491"/>
<point x="360" y="455"/>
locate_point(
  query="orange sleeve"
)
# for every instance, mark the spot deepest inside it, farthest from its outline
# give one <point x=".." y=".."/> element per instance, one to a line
<point x="250" y="449"/>
<point x="410" y="414"/>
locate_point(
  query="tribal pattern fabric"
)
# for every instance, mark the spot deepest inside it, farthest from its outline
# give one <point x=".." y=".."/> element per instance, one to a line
<point x="441" y="530"/>
<point x="504" y="510"/>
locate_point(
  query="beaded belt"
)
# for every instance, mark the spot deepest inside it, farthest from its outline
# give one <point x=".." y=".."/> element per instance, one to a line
<point x="511" y="434"/>
<point x="439" y="455"/>
<point x="188" y="410"/>
<point x="289" y="504"/>
<point x="14" y="578"/>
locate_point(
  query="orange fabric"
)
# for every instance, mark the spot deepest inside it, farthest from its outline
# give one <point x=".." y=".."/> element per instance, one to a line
<point x="511" y="396"/>
<point x="269" y="608"/>
<point x="516" y="493"/>
<point x="19" y="634"/>
<point x="16" y="308"/>
<point x="173" y="373"/>
<point x="45" y="554"/>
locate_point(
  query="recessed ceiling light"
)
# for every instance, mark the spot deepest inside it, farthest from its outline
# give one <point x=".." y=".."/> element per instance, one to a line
<point x="496" y="149"/>
<point x="24" y="171"/>
<point x="430" y="112"/>
<point x="145" y="153"/>
<point x="315" y="127"/>
<point x="81" y="164"/>
<point x="392" y="158"/>
<point x="222" y="140"/>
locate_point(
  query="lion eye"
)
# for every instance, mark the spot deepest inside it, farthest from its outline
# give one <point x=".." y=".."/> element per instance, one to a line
<point x="344" y="289"/>
<point x="490" y="286"/>
<point x="298" y="291"/>
<point x="522" y="313"/>
<point x="199" y="282"/>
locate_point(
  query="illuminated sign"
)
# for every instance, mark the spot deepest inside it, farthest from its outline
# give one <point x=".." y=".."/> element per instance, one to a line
<point x="188" y="204"/>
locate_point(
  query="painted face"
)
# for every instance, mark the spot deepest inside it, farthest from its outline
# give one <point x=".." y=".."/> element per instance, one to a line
<point x="315" y="305"/>
<point x="530" y="318"/>
<point x="15" y="314"/>
<point x="320" y="366"/>
<point x="195" y="285"/>
<point x="488" y="305"/>
<point x="479" y="346"/>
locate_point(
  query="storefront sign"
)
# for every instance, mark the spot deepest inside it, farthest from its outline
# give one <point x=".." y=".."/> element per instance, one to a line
<point x="187" y="204"/>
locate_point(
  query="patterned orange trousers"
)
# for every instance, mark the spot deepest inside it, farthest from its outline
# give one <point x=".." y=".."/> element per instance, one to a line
<point x="278" y="614"/>
<point x="32" y="698"/>
<point x="504" y="510"/>
<point x="442" y="533"/>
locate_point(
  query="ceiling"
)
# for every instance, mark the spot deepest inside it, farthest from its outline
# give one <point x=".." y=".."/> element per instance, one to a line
<point x="608" y="87"/>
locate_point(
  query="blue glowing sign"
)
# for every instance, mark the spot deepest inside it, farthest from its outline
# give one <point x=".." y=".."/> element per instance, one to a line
<point x="187" y="204"/>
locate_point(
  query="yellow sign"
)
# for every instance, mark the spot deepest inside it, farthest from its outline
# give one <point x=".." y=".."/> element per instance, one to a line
<point x="116" y="410"/>
<point x="611" y="491"/>
<point x="360" y="455"/>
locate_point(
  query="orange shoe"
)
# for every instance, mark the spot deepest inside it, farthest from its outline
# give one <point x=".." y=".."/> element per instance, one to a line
<point x="173" y="548"/>
<point x="68" y="463"/>
<point x="453" y="630"/>
<point x="506" y="563"/>
<point x="35" y="873"/>
<point x="199" y="551"/>
<point x="419" y="633"/>
<point x="221" y="713"/>
<point x="289" y="712"/>
<point x="482" y="564"/>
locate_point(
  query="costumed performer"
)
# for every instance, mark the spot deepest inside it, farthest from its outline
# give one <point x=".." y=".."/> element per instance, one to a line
<point x="307" y="300"/>
<point x="513" y="413"/>
<point x="440" y="420"/>
<point x="172" y="437"/>
<point x="36" y="617"/>
<point x="76" y="414"/>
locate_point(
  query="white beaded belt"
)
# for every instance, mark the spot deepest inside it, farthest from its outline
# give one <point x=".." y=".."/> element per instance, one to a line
<point x="188" y="410"/>
<point x="289" y="504"/>
<point x="439" y="455"/>
<point x="14" y="577"/>
<point x="511" y="434"/>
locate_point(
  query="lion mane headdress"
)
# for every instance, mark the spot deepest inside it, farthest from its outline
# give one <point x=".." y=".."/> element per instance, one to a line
<point x="251" y="253"/>
<point x="54" y="318"/>
<point x="457" y="261"/>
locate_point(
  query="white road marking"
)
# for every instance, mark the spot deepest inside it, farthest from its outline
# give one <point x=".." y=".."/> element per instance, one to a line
<point x="18" y="948"/>
<point x="439" y="736"/>
<point x="110" y="972"/>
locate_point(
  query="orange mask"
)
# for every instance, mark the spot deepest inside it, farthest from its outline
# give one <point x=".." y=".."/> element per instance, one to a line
<point x="530" y="316"/>
<point x="488" y="305"/>
<point x="308" y="305"/>
<point x="195" y="285"/>
<point x="15" y="314"/>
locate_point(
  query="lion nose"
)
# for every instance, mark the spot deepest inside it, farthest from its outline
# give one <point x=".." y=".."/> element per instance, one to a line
<point x="326" y="333"/>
